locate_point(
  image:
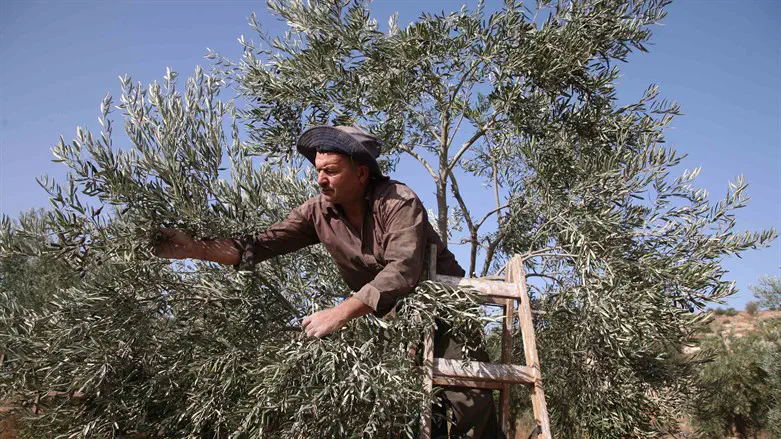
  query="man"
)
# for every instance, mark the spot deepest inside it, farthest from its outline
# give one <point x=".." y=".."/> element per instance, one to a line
<point x="375" y="229"/>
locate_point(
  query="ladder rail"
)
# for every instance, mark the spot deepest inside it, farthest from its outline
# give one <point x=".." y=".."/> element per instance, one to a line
<point x="507" y="352"/>
<point x="428" y="353"/>
<point x="517" y="275"/>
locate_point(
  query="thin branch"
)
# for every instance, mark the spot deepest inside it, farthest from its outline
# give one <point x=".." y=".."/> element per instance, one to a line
<point x="549" y="255"/>
<point x="492" y="245"/>
<point x="495" y="172"/>
<point x="455" y="95"/>
<point x="420" y="159"/>
<point x="491" y="250"/>
<point x="469" y="223"/>
<point x="528" y="275"/>
<point x="480" y="223"/>
<point x="458" y="127"/>
<point x="462" y="241"/>
<point x="461" y="203"/>
<point x="544" y="225"/>
<point x="548" y="250"/>
<point x="461" y="83"/>
<point x="475" y="137"/>
<point x="425" y="124"/>
<point x="464" y="147"/>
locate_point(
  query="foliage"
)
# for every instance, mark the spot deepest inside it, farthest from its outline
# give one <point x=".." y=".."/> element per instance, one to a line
<point x="729" y="312"/>
<point x="109" y="341"/>
<point x="620" y="254"/>
<point x="508" y="79"/>
<point x="30" y="272"/>
<point x="768" y="292"/>
<point x="738" y="390"/>
<point x="773" y="365"/>
<point x="752" y="307"/>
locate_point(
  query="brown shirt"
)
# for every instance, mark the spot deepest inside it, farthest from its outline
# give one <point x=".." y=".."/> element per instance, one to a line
<point x="382" y="262"/>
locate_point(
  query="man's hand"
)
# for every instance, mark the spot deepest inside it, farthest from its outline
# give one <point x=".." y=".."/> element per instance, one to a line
<point x="324" y="322"/>
<point x="329" y="320"/>
<point x="174" y="244"/>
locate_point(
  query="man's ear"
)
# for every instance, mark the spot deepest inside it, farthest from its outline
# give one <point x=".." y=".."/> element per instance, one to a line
<point x="363" y="174"/>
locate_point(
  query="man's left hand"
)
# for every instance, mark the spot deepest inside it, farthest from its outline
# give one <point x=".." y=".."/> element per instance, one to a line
<point x="324" y="322"/>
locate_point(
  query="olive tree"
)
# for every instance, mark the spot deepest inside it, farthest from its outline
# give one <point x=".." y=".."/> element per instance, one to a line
<point x="620" y="247"/>
<point x="110" y="341"/>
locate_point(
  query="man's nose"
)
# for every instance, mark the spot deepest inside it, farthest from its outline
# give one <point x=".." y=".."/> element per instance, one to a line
<point x="321" y="180"/>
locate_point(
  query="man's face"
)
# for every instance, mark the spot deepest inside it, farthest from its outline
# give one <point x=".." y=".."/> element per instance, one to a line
<point x="340" y="181"/>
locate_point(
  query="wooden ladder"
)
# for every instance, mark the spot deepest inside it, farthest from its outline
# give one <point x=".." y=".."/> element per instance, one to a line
<point x="475" y="374"/>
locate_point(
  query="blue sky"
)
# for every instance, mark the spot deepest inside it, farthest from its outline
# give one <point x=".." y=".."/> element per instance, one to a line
<point x="721" y="60"/>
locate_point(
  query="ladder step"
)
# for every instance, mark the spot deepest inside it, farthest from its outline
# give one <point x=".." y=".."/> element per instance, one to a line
<point x="463" y="382"/>
<point x="496" y="301"/>
<point x="493" y="277"/>
<point x="504" y="290"/>
<point x="479" y="371"/>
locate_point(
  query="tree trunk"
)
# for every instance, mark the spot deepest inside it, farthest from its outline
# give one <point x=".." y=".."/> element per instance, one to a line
<point x="489" y="256"/>
<point x="442" y="209"/>
<point x="473" y="254"/>
<point x="442" y="182"/>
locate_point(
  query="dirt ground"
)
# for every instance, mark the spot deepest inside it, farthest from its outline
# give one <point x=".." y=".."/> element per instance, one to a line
<point x="743" y="322"/>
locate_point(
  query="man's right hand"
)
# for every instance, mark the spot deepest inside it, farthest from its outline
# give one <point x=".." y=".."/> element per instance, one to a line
<point x="174" y="244"/>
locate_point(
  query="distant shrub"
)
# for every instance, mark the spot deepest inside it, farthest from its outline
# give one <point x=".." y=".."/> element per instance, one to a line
<point x="731" y="312"/>
<point x="738" y="393"/>
<point x="719" y="311"/>
<point x="768" y="292"/>
<point x="752" y="307"/>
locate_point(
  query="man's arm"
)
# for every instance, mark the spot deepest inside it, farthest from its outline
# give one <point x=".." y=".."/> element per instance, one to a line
<point x="329" y="320"/>
<point x="294" y="232"/>
<point x="404" y="250"/>
<point x="404" y="247"/>
<point x="176" y="244"/>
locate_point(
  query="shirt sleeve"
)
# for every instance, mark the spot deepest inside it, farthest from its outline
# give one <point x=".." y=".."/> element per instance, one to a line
<point x="404" y="247"/>
<point x="294" y="232"/>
